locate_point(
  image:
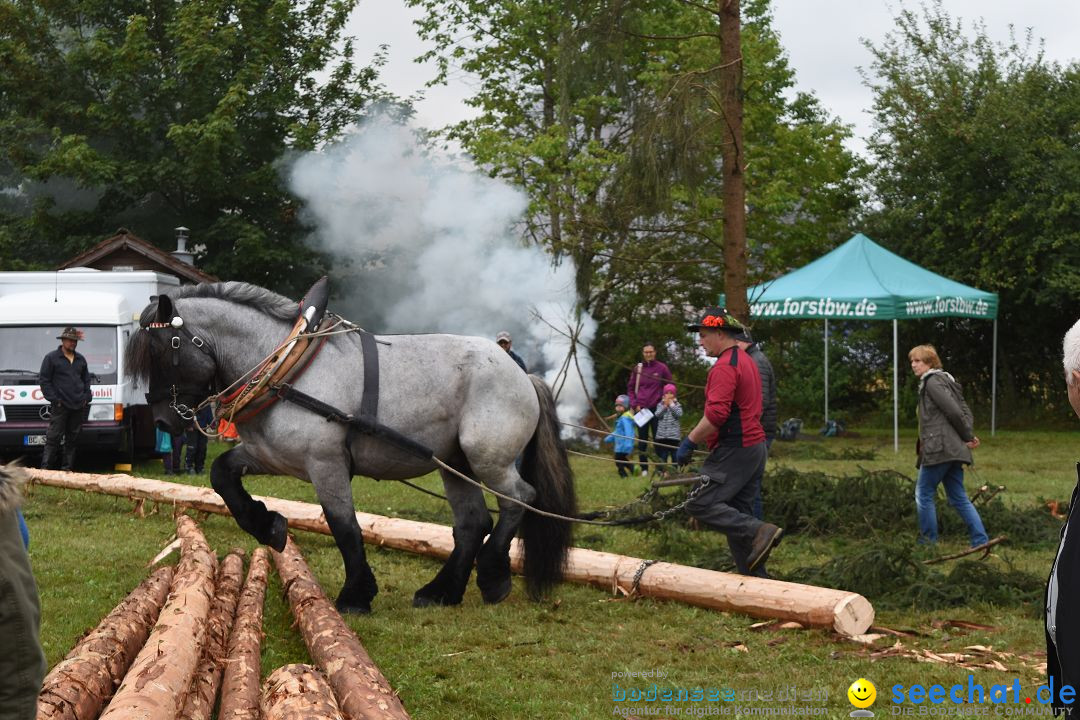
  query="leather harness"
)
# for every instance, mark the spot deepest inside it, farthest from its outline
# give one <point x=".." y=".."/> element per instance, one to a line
<point x="270" y="381"/>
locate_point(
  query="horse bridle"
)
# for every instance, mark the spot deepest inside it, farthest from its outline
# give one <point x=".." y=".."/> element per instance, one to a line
<point x="176" y="390"/>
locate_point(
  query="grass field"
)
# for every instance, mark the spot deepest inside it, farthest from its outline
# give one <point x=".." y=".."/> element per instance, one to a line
<point x="559" y="658"/>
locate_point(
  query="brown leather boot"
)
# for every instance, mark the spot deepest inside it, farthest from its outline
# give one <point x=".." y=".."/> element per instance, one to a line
<point x="765" y="539"/>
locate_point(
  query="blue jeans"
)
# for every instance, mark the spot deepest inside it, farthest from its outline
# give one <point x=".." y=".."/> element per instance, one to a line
<point x="951" y="474"/>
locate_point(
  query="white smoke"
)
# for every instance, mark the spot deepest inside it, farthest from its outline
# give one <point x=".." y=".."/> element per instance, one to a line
<point x="429" y="245"/>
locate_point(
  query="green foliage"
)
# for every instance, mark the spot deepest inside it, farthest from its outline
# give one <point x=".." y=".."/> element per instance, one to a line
<point x="583" y="106"/>
<point x="153" y="115"/>
<point x="891" y="574"/>
<point x="976" y="178"/>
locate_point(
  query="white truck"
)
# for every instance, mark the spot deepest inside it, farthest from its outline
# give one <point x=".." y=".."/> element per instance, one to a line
<point x="105" y="307"/>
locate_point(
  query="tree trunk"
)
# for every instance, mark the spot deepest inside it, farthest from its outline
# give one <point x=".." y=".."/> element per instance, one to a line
<point x="846" y="612"/>
<point x="298" y="692"/>
<point x="362" y="691"/>
<point x="204" y="686"/>
<point x="240" y="686"/>
<point x="156" y="686"/>
<point x="733" y="159"/>
<point x="81" y="683"/>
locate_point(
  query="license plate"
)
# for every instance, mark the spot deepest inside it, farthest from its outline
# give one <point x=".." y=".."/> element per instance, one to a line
<point x="34" y="440"/>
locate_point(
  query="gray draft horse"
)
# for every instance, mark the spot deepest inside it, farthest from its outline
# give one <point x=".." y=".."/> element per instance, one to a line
<point x="462" y="397"/>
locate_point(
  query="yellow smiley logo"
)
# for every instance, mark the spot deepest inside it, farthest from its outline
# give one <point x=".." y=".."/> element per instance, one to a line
<point x="862" y="693"/>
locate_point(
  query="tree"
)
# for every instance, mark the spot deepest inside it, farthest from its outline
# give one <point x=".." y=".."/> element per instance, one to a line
<point x="576" y="106"/>
<point x="977" y="179"/>
<point x="158" y="114"/>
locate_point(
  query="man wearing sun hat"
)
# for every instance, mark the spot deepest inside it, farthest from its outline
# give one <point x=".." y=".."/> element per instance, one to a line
<point x="731" y="429"/>
<point x="65" y="383"/>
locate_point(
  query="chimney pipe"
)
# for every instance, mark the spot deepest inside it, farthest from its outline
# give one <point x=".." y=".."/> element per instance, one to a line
<point x="181" y="252"/>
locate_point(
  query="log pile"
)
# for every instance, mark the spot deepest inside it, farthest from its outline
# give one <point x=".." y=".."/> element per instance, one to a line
<point x="81" y="683"/>
<point x="163" y="650"/>
<point x="847" y="613"/>
<point x="362" y="690"/>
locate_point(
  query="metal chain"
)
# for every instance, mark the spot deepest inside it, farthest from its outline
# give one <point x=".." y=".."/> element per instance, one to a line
<point x="694" y="492"/>
<point x="636" y="583"/>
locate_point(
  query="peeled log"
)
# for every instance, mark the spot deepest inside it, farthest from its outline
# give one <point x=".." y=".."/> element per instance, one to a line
<point x="362" y="691"/>
<point x="81" y="683"/>
<point x="204" y="686"/>
<point x="298" y="692"/>
<point x="156" y="685"/>
<point x="240" y="687"/>
<point x="846" y="612"/>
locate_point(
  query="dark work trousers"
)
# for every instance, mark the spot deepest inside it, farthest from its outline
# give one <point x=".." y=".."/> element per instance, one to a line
<point x="665" y="450"/>
<point x="64" y="425"/>
<point x="172" y="458"/>
<point x="725" y="505"/>
<point x="196" y="450"/>
<point x="624" y="464"/>
<point x="643" y="433"/>
<point x="759" y="504"/>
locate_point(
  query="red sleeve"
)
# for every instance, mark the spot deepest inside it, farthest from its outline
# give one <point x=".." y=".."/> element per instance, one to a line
<point x="720" y="392"/>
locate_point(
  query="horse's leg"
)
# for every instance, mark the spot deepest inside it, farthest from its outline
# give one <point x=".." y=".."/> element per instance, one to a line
<point x="493" y="561"/>
<point x="472" y="522"/>
<point x="226" y="477"/>
<point x="333" y="485"/>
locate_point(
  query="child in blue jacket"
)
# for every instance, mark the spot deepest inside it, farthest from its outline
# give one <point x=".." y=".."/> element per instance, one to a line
<point x="623" y="436"/>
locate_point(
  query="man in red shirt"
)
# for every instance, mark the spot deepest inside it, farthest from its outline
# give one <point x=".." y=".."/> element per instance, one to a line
<point x="731" y="429"/>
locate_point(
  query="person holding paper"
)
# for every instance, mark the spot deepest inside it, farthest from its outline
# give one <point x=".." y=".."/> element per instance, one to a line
<point x="645" y="388"/>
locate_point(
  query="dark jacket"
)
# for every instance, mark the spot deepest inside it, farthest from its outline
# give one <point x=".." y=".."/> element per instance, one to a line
<point x="768" y="390"/>
<point x="65" y="383"/>
<point x="1062" y="596"/>
<point x="945" y="421"/>
<point x="22" y="663"/>
<point x="517" y="358"/>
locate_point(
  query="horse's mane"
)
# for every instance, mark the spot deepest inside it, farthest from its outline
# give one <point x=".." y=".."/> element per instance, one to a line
<point x="137" y="357"/>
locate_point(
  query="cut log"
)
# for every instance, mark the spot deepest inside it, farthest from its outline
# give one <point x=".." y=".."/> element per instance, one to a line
<point x="846" y="612"/>
<point x="204" y="686"/>
<point x="240" y="686"/>
<point x="156" y="686"/>
<point x="81" y="683"/>
<point x="362" y="691"/>
<point x="298" y="692"/>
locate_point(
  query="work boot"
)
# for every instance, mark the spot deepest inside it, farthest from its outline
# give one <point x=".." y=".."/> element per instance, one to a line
<point x="765" y="539"/>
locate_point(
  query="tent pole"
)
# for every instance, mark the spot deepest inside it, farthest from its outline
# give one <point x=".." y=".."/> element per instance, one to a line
<point x="826" y="370"/>
<point x="895" y="390"/>
<point x="993" y="386"/>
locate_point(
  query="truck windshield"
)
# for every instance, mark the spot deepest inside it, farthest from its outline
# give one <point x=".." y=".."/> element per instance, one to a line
<point x="23" y="347"/>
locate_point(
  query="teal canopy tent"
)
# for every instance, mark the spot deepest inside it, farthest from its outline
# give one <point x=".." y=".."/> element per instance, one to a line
<point x="860" y="280"/>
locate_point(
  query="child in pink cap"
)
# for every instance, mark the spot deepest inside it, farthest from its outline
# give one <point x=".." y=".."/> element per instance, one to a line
<point x="668" y="429"/>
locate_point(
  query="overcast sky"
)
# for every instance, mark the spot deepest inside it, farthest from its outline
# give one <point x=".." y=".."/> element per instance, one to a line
<point x="821" y="37"/>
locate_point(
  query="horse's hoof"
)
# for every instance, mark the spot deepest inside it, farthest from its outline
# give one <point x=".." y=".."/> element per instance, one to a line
<point x="496" y="592"/>
<point x="422" y="599"/>
<point x="279" y="532"/>
<point x="353" y="607"/>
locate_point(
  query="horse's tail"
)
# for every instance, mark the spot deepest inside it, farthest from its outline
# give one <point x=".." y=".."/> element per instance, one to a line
<point x="546" y="467"/>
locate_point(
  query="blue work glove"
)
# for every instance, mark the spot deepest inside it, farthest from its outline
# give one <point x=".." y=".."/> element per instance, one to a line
<point x="685" y="453"/>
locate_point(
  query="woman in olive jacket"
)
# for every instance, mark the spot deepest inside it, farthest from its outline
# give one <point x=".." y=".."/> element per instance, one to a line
<point x="946" y="439"/>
